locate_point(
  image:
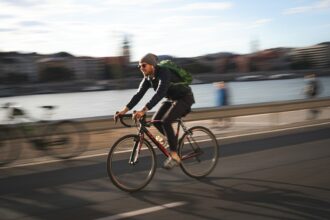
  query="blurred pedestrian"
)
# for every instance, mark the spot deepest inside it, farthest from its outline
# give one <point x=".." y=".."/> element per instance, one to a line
<point x="312" y="90"/>
<point x="312" y="86"/>
<point x="222" y="94"/>
<point x="222" y="100"/>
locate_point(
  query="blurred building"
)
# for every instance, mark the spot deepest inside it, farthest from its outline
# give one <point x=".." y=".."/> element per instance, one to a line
<point x="317" y="56"/>
<point x="243" y="63"/>
<point x="14" y="65"/>
<point x="270" y="59"/>
<point x="56" y="66"/>
<point x="265" y="60"/>
<point x="17" y="67"/>
<point x="87" y="68"/>
<point x="126" y="50"/>
<point x="32" y="67"/>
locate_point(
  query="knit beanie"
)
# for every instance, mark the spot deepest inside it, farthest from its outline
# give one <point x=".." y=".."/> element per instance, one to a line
<point x="149" y="58"/>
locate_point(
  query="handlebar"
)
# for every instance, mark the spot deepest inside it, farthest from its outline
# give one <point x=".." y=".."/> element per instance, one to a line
<point x="130" y="116"/>
<point x="121" y="119"/>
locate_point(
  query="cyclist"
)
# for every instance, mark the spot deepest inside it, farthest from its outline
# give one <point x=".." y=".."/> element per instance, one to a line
<point x="178" y="104"/>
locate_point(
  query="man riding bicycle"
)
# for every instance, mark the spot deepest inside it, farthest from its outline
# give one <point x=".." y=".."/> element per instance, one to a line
<point x="179" y="101"/>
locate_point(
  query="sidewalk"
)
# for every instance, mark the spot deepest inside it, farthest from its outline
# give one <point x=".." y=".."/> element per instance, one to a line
<point x="262" y="122"/>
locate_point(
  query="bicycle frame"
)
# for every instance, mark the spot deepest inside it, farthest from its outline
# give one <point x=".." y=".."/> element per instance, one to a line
<point x="144" y="131"/>
<point x="136" y="152"/>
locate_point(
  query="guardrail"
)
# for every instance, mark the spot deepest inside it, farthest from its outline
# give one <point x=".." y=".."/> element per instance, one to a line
<point x="106" y="122"/>
<point x="103" y="131"/>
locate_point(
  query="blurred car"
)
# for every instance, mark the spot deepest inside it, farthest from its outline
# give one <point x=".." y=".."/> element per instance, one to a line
<point x="250" y="78"/>
<point x="282" y="76"/>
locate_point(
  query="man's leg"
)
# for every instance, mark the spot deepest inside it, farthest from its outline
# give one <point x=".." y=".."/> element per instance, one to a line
<point x="160" y="114"/>
<point x="178" y="109"/>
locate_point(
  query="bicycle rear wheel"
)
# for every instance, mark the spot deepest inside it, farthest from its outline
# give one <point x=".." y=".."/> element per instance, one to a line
<point x="198" y="150"/>
<point x="128" y="176"/>
<point x="65" y="139"/>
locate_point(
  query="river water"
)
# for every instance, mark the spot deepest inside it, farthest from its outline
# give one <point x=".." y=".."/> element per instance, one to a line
<point x="102" y="103"/>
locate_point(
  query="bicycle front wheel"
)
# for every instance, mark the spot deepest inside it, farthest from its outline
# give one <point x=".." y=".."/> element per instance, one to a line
<point x="198" y="150"/>
<point x="125" y="174"/>
<point x="65" y="139"/>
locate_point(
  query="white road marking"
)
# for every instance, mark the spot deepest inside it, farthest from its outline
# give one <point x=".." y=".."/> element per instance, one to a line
<point x="142" y="211"/>
<point x="221" y="138"/>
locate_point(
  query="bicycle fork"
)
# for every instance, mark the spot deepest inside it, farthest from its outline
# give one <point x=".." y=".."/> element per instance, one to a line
<point x="133" y="159"/>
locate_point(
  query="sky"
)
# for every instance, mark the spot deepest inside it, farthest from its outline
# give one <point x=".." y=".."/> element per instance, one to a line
<point x="181" y="28"/>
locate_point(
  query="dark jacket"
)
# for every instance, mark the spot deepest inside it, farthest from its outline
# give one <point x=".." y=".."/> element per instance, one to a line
<point x="165" y="83"/>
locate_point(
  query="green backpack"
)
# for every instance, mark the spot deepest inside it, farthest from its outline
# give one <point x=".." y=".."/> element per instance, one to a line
<point x="183" y="74"/>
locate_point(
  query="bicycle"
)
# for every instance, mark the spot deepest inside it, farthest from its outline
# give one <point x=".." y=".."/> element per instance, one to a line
<point x="62" y="139"/>
<point x="131" y="162"/>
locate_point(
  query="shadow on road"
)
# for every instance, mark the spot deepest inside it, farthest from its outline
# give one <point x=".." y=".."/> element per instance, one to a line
<point x="246" y="198"/>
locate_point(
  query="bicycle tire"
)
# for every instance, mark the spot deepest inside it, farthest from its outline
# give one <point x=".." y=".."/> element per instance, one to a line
<point x="199" y="151"/>
<point x="10" y="145"/>
<point x="131" y="177"/>
<point x="65" y="139"/>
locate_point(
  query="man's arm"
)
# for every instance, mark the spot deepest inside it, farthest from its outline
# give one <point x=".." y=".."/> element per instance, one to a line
<point x="164" y="83"/>
<point x="143" y="88"/>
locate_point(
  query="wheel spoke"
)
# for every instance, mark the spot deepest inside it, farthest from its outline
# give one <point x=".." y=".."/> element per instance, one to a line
<point x="131" y="171"/>
<point x="199" y="152"/>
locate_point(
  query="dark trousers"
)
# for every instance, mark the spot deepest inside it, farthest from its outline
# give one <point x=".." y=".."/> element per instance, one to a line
<point x="168" y="113"/>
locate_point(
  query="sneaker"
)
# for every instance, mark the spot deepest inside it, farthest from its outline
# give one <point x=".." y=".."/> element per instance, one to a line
<point x="169" y="163"/>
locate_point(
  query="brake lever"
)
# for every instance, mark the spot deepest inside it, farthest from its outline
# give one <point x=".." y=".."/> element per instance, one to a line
<point x="134" y="118"/>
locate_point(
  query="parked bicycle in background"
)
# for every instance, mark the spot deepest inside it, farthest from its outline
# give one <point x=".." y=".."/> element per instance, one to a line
<point x="60" y="139"/>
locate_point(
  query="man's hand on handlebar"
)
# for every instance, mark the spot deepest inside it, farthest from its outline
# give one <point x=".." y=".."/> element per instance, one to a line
<point x="138" y="115"/>
<point x="120" y="113"/>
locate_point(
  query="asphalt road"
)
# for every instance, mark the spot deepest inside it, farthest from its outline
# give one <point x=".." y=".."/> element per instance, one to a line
<point x="284" y="175"/>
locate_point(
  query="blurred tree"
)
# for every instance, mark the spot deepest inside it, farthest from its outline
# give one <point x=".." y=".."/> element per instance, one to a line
<point x="196" y="68"/>
<point x="113" y="71"/>
<point x="14" y="78"/>
<point x="131" y="71"/>
<point x="56" y="74"/>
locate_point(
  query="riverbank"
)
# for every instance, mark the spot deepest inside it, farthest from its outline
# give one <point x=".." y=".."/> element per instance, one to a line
<point x="130" y="83"/>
